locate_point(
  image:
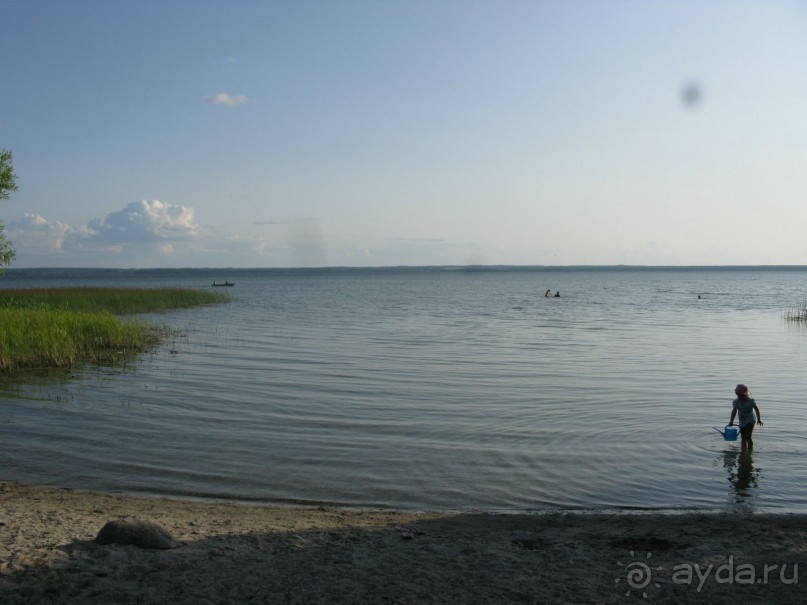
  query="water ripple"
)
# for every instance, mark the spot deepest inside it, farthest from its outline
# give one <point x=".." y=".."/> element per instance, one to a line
<point x="442" y="391"/>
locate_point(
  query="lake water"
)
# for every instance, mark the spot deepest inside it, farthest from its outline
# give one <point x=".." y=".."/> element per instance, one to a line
<point x="449" y="389"/>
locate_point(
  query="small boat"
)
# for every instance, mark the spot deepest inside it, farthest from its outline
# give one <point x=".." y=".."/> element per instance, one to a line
<point x="220" y="284"/>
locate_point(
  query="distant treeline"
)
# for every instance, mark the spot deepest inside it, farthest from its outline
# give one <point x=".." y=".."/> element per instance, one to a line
<point x="205" y="275"/>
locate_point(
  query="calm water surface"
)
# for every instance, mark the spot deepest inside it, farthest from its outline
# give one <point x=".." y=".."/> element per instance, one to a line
<point x="437" y="389"/>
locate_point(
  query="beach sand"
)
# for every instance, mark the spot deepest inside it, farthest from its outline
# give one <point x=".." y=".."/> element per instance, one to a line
<point x="235" y="553"/>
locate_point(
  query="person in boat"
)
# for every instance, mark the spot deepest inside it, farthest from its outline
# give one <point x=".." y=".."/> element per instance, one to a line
<point x="745" y="406"/>
<point x="557" y="294"/>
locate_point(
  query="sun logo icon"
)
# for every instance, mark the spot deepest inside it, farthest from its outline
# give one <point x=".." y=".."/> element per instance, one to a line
<point x="638" y="575"/>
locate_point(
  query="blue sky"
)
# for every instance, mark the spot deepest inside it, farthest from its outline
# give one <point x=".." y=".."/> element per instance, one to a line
<point x="360" y="133"/>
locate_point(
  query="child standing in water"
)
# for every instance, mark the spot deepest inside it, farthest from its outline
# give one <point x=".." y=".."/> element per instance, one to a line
<point x="746" y="406"/>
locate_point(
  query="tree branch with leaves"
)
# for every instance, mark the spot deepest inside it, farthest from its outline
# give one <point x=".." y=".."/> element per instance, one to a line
<point x="8" y="183"/>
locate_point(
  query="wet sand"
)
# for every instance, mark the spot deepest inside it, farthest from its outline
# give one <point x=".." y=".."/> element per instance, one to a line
<point x="234" y="553"/>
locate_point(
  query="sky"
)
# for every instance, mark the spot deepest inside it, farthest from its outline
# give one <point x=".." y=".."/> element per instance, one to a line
<point x="200" y="133"/>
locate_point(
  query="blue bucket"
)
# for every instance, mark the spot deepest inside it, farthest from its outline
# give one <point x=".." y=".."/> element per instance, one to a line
<point x="729" y="433"/>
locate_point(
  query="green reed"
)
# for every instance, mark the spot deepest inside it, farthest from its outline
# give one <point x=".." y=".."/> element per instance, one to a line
<point x="115" y="300"/>
<point x="62" y="327"/>
<point x="41" y="338"/>
<point x="798" y="313"/>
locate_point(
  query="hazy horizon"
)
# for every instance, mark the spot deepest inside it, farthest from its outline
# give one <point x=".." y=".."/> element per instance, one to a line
<point x="431" y="267"/>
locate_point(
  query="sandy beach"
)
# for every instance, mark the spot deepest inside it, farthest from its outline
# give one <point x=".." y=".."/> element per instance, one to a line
<point x="233" y="553"/>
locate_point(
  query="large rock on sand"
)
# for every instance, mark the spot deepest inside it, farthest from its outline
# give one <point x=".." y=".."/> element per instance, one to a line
<point x="138" y="533"/>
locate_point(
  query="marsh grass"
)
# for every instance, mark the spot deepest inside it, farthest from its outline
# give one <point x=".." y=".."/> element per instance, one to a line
<point x="40" y="338"/>
<point x="798" y="313"/>
<point x="119" y="301"/>
<point x="60" y="328"/>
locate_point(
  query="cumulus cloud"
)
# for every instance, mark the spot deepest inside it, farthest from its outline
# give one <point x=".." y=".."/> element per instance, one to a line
<point x="145" y="221"/>
<point x="225" y="98"/>
<point x="153" y="233"/>
<point x="40" y="236"/>
<point x="35" y="219"/>
<point x="149" y="233"/>
<point x="149" y="224"/>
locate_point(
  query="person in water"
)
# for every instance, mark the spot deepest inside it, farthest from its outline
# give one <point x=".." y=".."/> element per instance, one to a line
<point x="746" y="407"/>
<point x="546" y="294"/>
<point x="557" y="294"/>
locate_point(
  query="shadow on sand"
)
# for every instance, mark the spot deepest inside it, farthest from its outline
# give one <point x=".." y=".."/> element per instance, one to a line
<point x="466" y="558"/>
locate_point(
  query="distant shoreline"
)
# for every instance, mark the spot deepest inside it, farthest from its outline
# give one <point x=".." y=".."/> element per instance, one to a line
<point x="223" y="272"/>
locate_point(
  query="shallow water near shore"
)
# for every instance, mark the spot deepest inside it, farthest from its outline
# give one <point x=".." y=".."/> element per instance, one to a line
<point x="436" y="389"/>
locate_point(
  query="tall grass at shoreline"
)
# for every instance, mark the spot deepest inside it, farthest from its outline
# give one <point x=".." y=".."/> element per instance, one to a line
<point x="115" y="300"/>
<point x="62" y="327"/>
<point x="39" y="338"/>
<point x="798" y="313"/>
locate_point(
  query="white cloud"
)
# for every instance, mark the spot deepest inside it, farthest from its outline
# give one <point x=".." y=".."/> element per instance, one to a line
<point x="36" y="219"/>
<point x="144" y="221"/>
<point x="38" y="235"/>
<point x="152" y="233"/>
<point x="149" y="233"/>
<point x="224" y="98"/>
